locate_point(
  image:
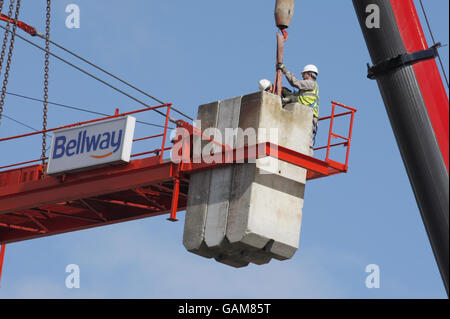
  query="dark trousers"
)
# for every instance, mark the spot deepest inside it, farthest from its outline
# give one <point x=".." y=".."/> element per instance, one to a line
<point x="291" y="97"/>
<point x="288" y="96"/>
<point x="315" y="129"/>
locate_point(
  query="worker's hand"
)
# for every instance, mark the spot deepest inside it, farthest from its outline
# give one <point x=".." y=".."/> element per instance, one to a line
<point x="280" y="66"/>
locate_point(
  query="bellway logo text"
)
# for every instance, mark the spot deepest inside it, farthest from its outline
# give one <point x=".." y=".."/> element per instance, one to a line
<point x="88" y="144"/>
<point x="101" y="143"/>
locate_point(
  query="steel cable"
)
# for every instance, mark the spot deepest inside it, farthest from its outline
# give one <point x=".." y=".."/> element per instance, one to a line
<point x="10" y="50"/>
<point x="434" y="42"/>
<point x="91" y="75"/>
<point x="76" y="108"/>
<point x="117" y="78"/>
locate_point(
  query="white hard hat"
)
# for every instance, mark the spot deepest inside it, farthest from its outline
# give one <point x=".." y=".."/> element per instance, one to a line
<point x="311" y="68"/>
<point x="264" y="84"/>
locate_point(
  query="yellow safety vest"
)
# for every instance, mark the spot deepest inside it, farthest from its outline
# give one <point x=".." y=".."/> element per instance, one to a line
<point x="311" y="98"/>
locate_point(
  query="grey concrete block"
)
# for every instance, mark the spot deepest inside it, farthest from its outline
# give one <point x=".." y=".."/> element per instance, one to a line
<point x="199" y="190"/>
<point x="250" y="212"/>
<point x="266" y="204"/>
<point x="218" y="202"/>
<point x="232" y="261"/>
<point x="195" y="220"/>
<point x="263" y="208"/>
<point x="221" y="178"/>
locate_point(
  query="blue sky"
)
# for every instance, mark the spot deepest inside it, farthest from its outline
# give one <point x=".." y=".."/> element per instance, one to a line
<point x="194" y="52"/>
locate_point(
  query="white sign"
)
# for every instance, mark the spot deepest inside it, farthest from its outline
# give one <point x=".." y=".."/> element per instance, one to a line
<point x="91" y="145"/>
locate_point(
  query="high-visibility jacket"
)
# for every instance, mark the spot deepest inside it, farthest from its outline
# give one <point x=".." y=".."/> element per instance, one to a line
<point x="310" y="98"/>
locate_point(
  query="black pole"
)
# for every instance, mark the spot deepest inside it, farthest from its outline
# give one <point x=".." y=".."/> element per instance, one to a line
<point x="411" y="124"/>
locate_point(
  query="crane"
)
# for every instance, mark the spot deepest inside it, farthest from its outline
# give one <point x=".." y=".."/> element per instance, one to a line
<point x="38" y="199"/>
<point x="35" y="204"/>
<point x="416" y="102"/>
<point x="417" y="105"/>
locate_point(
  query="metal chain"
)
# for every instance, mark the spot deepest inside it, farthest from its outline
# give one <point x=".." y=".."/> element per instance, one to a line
<point x="5" y="38"/>
<point x="2" y="55"/>
<point x="10" y="51"/>
<point x="1" y="5"/>
<point x="46" y="69"/>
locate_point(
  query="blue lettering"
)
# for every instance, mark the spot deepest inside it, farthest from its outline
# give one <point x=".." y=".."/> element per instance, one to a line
<point x="86" y="144"/>
<point x="84" y="140"/>
<point x="59" y="148"/>
<point x="104" y="144"/>
<point x="116" y="144"/>
<point x="70" y="146"/>
<point x="92" y="143"/>
<point x="79" y="142"/>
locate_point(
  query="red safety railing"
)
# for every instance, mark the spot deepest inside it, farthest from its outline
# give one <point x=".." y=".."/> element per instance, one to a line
<point x="316" y="167"/>
<point x="159" y="151"/>
<point x="180" y="171"/>
<point x="345" y="140"/>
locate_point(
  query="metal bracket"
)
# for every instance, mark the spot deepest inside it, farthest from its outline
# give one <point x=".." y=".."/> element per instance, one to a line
<point x="401" y="61"/>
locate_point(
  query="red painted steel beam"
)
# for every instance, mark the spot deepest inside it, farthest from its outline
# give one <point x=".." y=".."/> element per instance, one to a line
<point x="296" y="158"/>
<point x="36" y="222"/>
<point x="22" y="228"/>
<point x="261" y="150"/>
<point x="149" y="199"/>
<point x="63" y="225"/>
<point x="2" y="259"/>
<point x="166" y="189"/>
<point x="51" y="190"/>
<point x="49" y="213"/>
<point x="93" y="210"/>
<point x="57" y="224"/>
<point x="427" y="72"/>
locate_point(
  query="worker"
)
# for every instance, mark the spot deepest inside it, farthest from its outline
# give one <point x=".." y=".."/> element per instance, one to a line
<point x="308" y="93"/>
<point x="265" y="85"/>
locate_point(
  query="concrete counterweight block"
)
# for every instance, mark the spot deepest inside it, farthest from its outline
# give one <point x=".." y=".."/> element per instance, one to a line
<point x="250" y="212"/>
<point x="209" y="191"/>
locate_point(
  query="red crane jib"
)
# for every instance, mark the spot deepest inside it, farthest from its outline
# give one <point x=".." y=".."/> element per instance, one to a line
<point x="34" y="205"/>
<point x="22" y="25"/>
